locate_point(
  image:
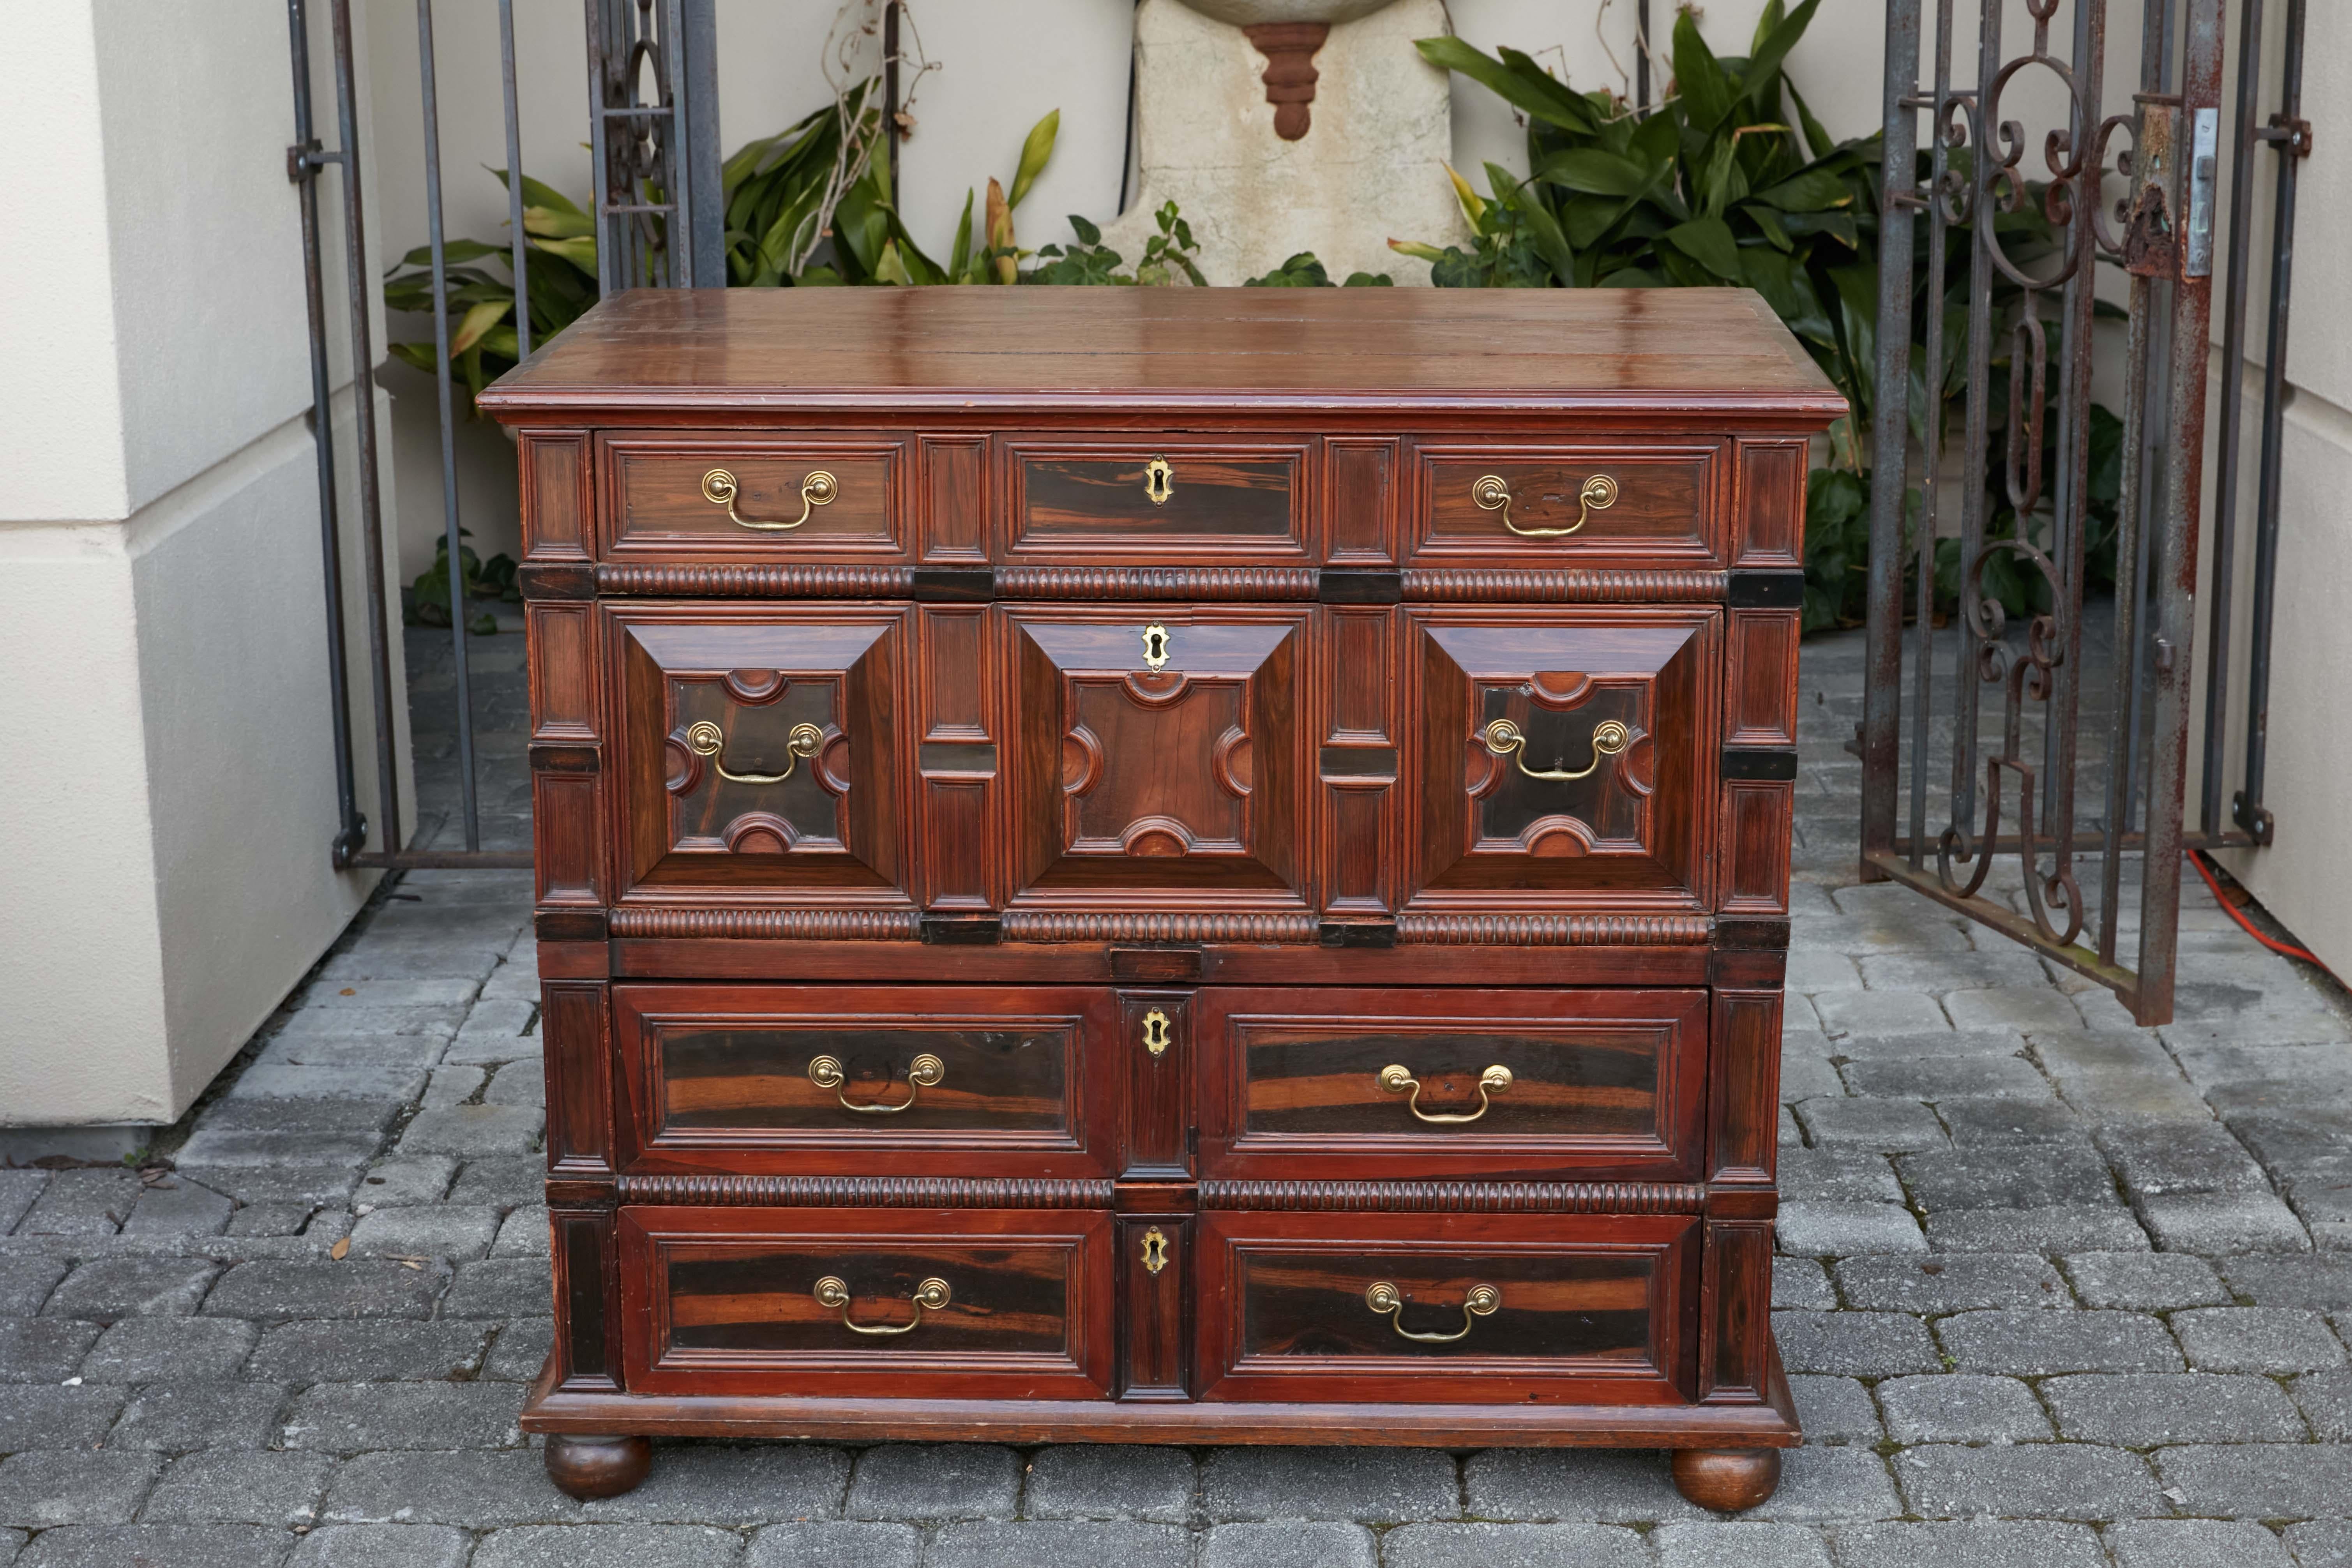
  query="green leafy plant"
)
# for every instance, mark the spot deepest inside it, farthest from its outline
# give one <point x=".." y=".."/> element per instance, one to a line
<point x="1085" y="261"/>
<point x="1304" y="272"/>
<point x="483" y="342"/>
<point x="428" y="599"/>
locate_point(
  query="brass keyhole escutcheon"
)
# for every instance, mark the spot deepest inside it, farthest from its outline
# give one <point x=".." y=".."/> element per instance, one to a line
<point x="1155" y="1251"/>
<point x="1492" y="492"/>
<point x="818" y="487"/>
<point x="1159" y="481"/>
<point x="1155" y="1032"/>
<point x="1156" y="647"/>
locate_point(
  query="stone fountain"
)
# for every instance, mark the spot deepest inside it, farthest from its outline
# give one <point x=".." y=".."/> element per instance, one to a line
<point x="1278" y="126"/>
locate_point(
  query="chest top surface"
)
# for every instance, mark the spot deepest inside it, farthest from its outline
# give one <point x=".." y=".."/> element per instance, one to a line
<point x="1692" y="351"/>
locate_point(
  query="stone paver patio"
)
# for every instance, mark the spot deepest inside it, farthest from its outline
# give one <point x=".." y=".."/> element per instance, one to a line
<point x="2055" y="1290"/>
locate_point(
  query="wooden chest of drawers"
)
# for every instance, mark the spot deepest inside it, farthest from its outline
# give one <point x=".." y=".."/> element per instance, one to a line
<point x="1166" y="864"/>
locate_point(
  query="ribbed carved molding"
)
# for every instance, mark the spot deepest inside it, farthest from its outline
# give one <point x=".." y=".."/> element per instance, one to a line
<point x="770" y="925"/>
<point x="868" y="1192"/>
<point x="1031" y="925"/>
<point x="1555" y="930"/>
<point x="1454" y="584"/>
<point x="1156" y="581"/>
<point x="810" y="582"/>
<point x="1462" y="1197"/>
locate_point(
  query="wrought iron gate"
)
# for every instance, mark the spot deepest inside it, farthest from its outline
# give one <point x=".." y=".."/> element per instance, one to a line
<point x="655" y="132"/>
<point x="2026" y="524"/>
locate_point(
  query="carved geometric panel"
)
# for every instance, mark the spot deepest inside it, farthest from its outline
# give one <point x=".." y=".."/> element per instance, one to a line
<point x="1561" y="750"/>
<point x="1160" y="749"/>
<point x="759" y="749"/>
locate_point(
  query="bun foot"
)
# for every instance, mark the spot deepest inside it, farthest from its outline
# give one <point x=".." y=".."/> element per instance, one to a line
<point x="1727" y="1480"/>
<point x="599" y="1467"/>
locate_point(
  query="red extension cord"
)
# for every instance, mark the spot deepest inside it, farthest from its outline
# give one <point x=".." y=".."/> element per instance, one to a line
<point x="2289" y="949"/>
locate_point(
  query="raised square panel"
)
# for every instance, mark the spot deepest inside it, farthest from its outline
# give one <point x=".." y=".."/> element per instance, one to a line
<point x="1562" y="750"/>
<point x="759" y="749"/>
<point x="1160" y="753"/>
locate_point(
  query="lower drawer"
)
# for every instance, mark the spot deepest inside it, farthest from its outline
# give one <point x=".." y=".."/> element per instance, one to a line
<point x="962" y="1304"/>
<point x="1456" y="1307"/>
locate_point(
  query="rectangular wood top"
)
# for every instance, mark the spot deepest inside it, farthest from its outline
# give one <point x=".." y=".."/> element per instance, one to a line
<point x="1694" y="351"/>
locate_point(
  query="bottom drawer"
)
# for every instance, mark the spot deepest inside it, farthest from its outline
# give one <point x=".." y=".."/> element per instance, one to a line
<point x="1457" y="1308"/>
<point x="953" y="1304"/>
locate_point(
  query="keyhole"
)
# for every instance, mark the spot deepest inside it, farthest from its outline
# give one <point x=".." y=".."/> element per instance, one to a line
<point x="1158" y="481"/>
<point x="1155" y="1032"/>
<point x="1155" y="646"/>
<point x="1155" y="1251"/>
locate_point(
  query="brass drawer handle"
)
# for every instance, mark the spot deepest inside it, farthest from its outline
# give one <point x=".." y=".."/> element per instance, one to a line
<point x="720" y="487"/>
<point x="921" y="1074"/>
<point x="1503" y="738"/>
<point x="1493" y="494"/>
<point x="1159" y="481"/>
<point x="705" y="738"/>
<point x="1396" y="1080"/>
<point x="1383" y="1298"/>
<point x="930" y="1293"/>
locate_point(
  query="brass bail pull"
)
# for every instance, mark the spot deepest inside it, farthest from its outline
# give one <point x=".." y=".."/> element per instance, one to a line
<point x="932" y="1294"/>
<point x="1384" y="1299"/>
<point x="705" y="738"/>
<point x="1505" y="740"/>
<point x="1493" y="493"/>
<point x="925" y="1070"/>
<point x="720" y="487"/>
<point x="1494" y="1080"/>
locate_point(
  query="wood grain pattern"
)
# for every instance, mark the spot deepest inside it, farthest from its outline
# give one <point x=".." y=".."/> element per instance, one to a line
<point x="1223" y="501"/>
<point x="1604" y="1082"/>
<point x="1760" y="703"/>
<point x="1587" y="1304"/>
<point x="554" y="463"/>
<point x="1745" y="1084"/>
<point x="1755" y="846"/>
<point x="1770" y="528"/>
<point x="577" y="1054"/>
<point x="955" y="519"/>
<point x="727" y="1296"/>
<point x="1712" y="354"/>
<point x="656" y="506"/>
<point x="718" y="1081"/>
<point x="1666" y="510"/>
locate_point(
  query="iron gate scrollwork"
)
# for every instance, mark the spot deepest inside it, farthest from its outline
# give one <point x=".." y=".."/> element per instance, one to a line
<point x="2014" y="793"/>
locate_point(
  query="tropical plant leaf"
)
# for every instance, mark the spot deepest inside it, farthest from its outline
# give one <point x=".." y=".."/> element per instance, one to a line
<point x="1708" y="242"/>
<point x="1531" y="89"/>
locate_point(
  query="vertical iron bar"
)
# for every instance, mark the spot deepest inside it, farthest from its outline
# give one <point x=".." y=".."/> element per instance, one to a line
<point x="677" y="232"/>
<point x="2176" y="579"/>
<point x="2233" y="401"/>
<point x="890" y="99"/>
<point x="2071" y="513"/>
<point x="1641" y="58"/>
<point x="2155" y="78"/>
<point x="1882" y="692"/>
<point x="2248" y="810"/>
<point x="302" y="167"/>
<point x="1967" y="684"/>
<point x="347" y="130"/>
<point x="696" y="131"/>
<point x="519" y="241"/>
<point x="610" y="262"/>
<point x="450" y="532"/>
<point x="1931" y="439"/>
<point x="2121" y="724"/>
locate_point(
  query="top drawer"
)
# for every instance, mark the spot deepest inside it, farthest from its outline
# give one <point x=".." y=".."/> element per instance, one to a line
<point x="1150" y="500"/>
<point x="811" y="496"/>
<point x="1566" y="505"/>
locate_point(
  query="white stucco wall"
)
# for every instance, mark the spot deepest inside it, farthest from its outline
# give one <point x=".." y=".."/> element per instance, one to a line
<point x="2303" y="877"/>
<point x="164" y="727"/>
